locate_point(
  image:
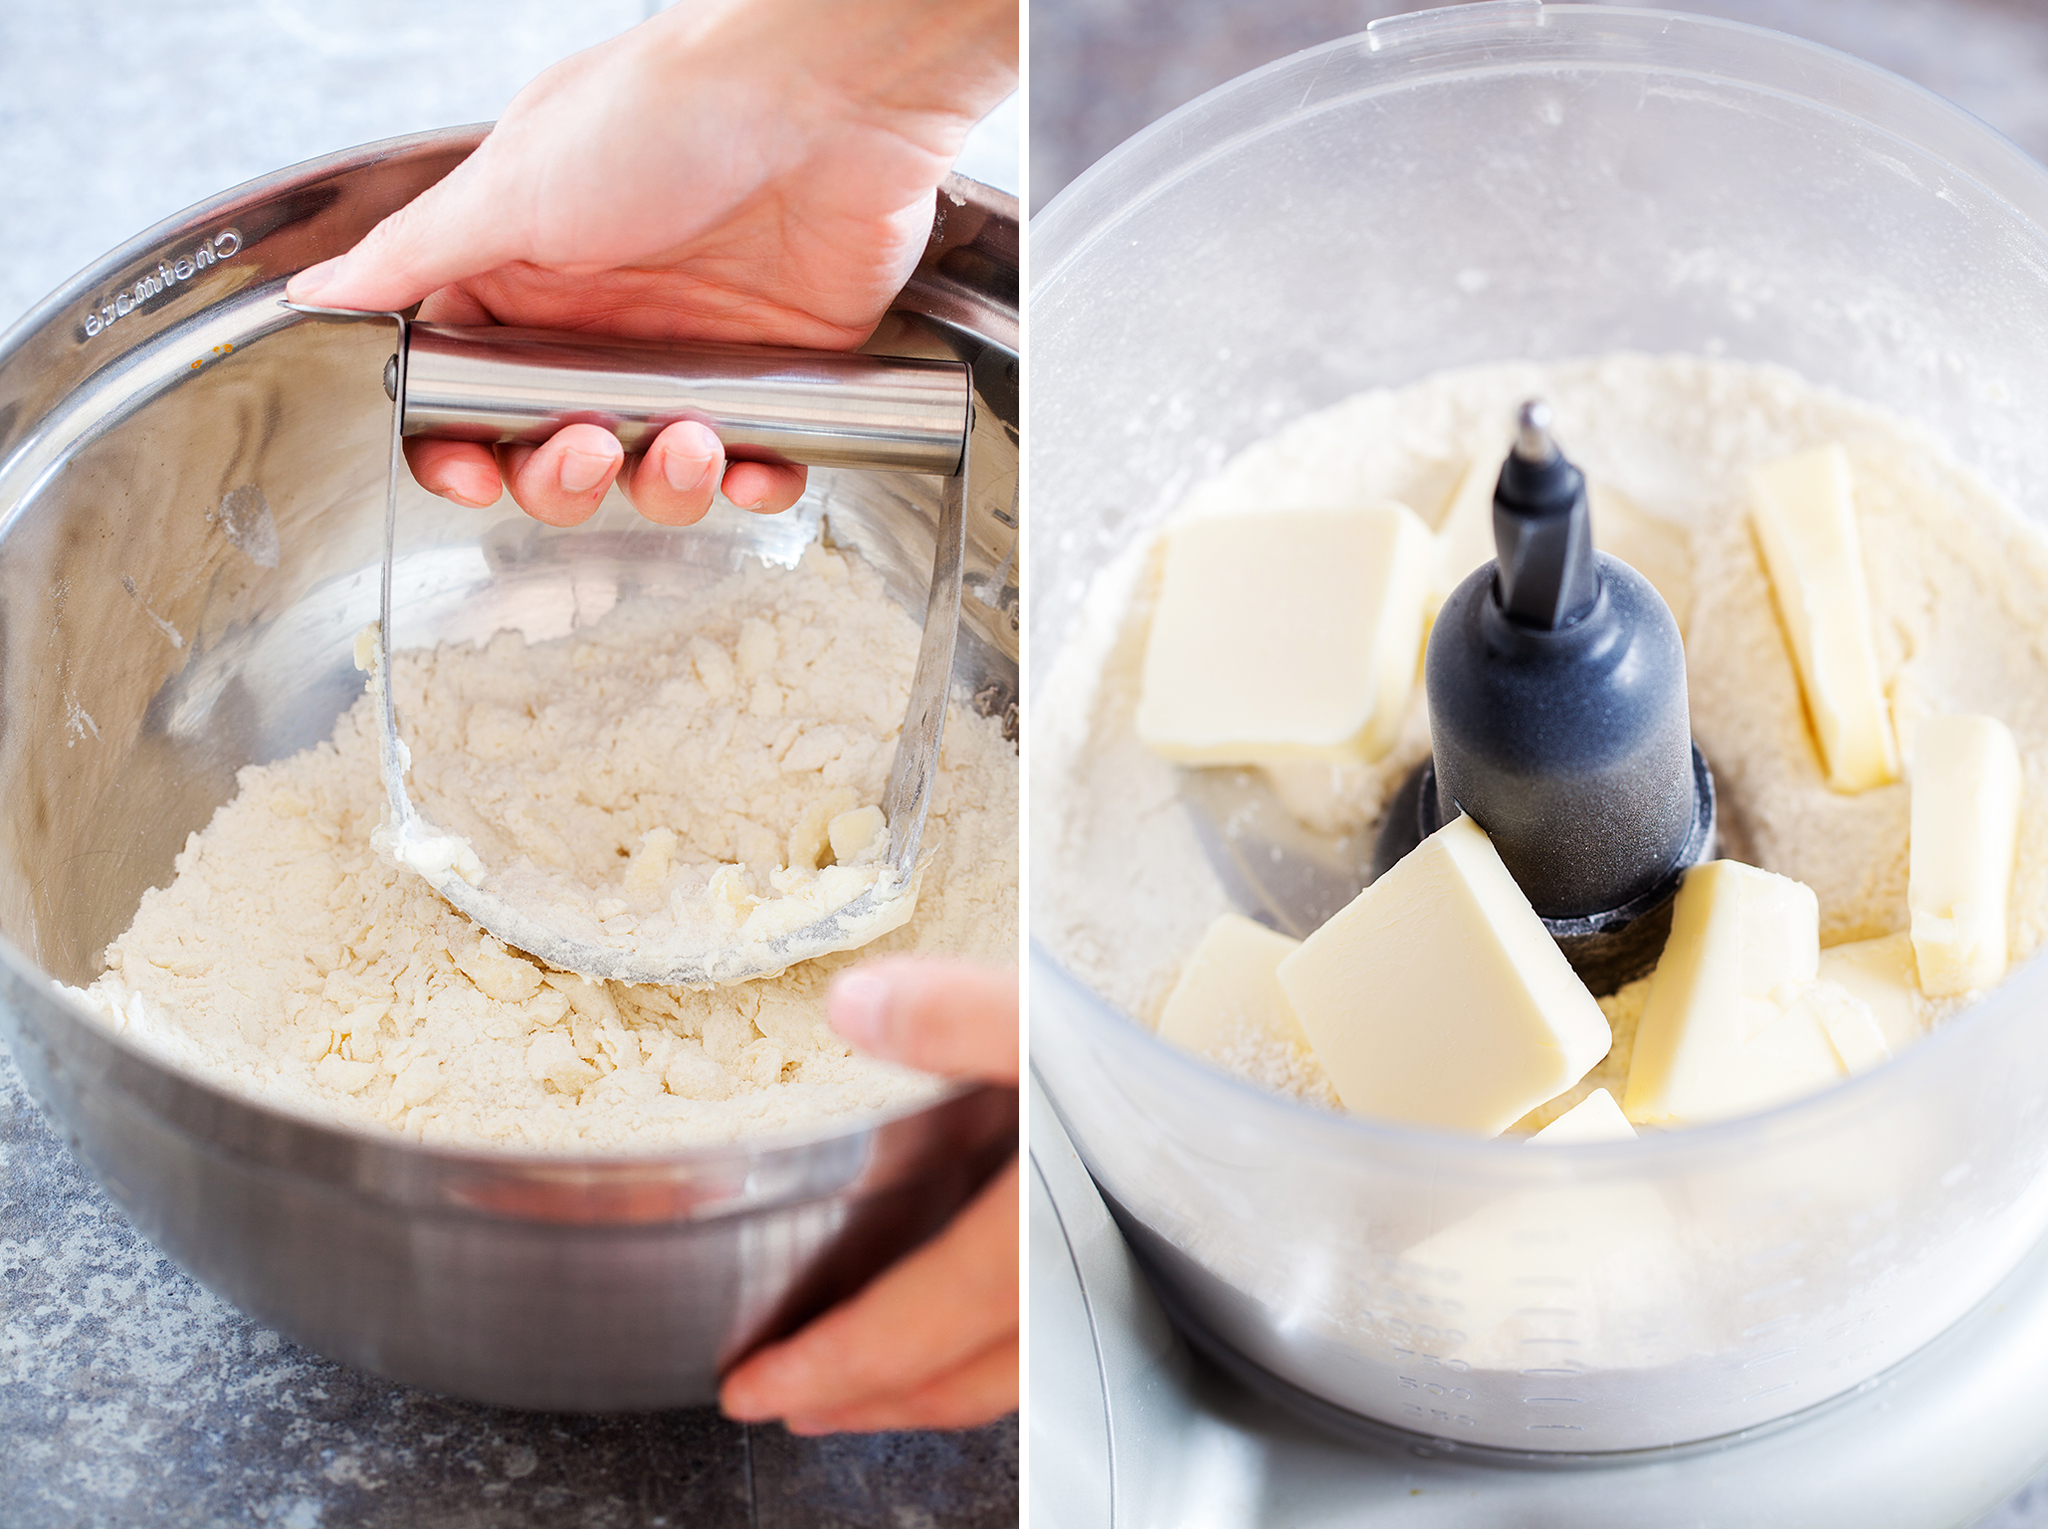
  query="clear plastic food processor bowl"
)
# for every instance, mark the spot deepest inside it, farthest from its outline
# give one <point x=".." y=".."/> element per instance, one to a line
<point x="1542" y="182"/>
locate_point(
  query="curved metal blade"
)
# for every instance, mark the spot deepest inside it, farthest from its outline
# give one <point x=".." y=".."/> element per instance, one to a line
<point x="442" y="858"/>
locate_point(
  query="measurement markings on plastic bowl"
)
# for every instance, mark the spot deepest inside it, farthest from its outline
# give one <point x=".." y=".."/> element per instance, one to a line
<point x="1457" y="1366"/>
<point x="1438" y="1415"/>
<point x="1774" y="1355"/>
<point x="1775" y="1322"/>
<point x="1449" y="1393"/>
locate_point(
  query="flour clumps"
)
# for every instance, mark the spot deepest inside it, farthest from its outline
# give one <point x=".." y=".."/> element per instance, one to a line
<point x="695" y="810"/>
<point x="739" y="740"/>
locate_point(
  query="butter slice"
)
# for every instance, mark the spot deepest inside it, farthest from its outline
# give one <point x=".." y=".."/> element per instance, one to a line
<point x="1848" y="1024"/>
<point x="1229" y="989"/>
<point x="1884" y="975"/>
<point x="1804" y="512"/>
<point x="1464" y="537"/>
<point x="1594" y="1118"/>
<point x="1436" y="997"/>
<point x="1291" y="634"/>
<point x="1723" y="1032"/>
<point x="1966" y="821"/>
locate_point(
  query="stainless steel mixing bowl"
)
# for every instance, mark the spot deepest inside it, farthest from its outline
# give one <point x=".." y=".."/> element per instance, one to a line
<point x="191" y="499"/>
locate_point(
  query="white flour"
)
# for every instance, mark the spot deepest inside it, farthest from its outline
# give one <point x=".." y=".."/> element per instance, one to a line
<point x="1959" y="589"/>
<point x="689" y="806"/>
<point x="290" y="962"/>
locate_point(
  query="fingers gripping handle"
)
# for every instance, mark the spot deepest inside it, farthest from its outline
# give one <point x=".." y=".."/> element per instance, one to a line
<point x="766" y="404"/>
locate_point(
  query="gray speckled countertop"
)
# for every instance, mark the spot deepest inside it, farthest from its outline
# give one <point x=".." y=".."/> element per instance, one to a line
<point x="129" y="1396"/>
<point x="1103" y="69"/>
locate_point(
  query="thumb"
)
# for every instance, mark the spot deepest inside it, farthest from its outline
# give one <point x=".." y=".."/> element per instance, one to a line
<point x="446" y="233"/>
<point x="939" y="1016"/>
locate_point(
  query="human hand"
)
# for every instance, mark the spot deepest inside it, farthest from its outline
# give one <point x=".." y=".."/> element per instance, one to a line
<point x="931" y="1342"/>
<point x="757" y="171"/>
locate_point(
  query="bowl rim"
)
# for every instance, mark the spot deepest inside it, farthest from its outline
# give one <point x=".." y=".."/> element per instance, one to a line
<point x="1188" y="136"/>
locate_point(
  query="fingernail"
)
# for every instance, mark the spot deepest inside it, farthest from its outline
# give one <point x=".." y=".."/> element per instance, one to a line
<point x="858" y="1007"/>
<point x="309" y="283"/>
<point x="682" y="473"/>
<point x="582" y="471"/>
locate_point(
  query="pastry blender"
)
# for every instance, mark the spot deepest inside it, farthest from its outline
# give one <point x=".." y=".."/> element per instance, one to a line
<point x="816" y="408"/>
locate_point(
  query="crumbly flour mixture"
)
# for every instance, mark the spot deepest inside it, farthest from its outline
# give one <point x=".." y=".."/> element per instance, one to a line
<point x="290" y="961"/>
<point x="689" y="806"/>
<point x="1959" y="590"/>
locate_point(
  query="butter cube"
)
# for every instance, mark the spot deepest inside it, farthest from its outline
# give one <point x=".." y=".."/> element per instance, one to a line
<point x="1285" y="635"/>
<point x="1723" y="1031"/>
<point x="1804" y="513"/>
<point x="1966" y="823"/>
<point x="1464" y="537"/>
<point x="1594" y="1118"/>
<point x="1884" y="976"/>
<point x="1230" y="990"/>
<point x="853" y="835"/>
<point x="1847" y="1022"/>
<point x="1436" y="997"/>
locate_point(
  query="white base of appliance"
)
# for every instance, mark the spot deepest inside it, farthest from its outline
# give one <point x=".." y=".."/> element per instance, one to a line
<point x="1131" y="1430"/>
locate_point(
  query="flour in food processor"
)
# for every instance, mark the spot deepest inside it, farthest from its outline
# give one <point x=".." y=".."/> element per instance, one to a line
<point x="738" y="741"/>
<point x="1958" y="586"/>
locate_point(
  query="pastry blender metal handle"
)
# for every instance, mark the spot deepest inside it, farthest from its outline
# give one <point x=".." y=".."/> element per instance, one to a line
<point x="766" y="404"/>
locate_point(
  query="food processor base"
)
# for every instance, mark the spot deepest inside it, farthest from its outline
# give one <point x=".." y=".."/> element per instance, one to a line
<point x="1130" y="1427"/>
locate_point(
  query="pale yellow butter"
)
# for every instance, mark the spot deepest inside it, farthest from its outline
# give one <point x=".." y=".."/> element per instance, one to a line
<point x="1290" y="634"/>
<point x="1723" y="1031"/>
<point x="853" y="835"/>
<point x="1464" y="537"/>
<point x="1229" y="991"/>
<point x="1804" y="513"/>
<point x="1966" y="818"/>
<point x="1883" y="974"/>
<point x="1594" y="1118"/>
<point x="1436" y="996"/>
<point x="1847" y="1022"/>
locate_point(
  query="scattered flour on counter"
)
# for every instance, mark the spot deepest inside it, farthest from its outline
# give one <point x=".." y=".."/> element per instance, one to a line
<point x="1959" y="590"/>
<point x="290" y="962"/>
